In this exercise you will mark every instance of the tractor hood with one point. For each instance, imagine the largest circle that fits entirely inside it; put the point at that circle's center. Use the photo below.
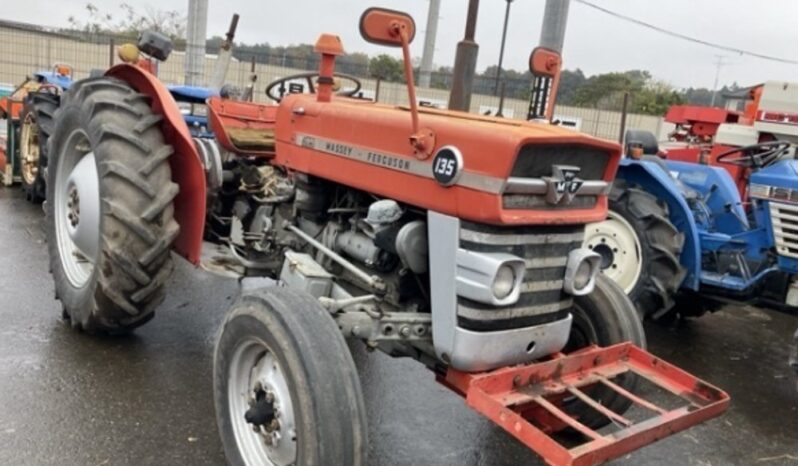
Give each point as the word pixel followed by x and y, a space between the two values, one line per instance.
pixel 783 174
pixel 482 169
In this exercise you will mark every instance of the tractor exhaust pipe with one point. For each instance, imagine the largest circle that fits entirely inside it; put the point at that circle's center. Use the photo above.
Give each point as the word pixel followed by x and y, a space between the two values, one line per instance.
pixel 465 63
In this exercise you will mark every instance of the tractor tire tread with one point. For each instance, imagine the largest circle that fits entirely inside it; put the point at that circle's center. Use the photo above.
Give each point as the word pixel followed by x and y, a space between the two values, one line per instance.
pixel 662 244
pixel 136 201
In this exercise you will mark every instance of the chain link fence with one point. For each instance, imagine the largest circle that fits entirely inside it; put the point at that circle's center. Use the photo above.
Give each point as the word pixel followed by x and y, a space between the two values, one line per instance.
pixel 27 49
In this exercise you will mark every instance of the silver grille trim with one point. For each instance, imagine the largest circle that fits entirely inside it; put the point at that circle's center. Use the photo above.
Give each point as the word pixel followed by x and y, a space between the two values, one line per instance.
pixel 517 185
pixel 519 239
pixel 785 228
pixel 515 312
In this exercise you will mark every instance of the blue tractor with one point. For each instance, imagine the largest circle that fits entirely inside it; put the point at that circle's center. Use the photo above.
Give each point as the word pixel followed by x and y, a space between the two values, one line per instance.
pixel 680 239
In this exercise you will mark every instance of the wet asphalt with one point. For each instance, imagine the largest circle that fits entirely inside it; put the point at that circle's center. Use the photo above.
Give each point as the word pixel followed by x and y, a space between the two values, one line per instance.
pixel 145 399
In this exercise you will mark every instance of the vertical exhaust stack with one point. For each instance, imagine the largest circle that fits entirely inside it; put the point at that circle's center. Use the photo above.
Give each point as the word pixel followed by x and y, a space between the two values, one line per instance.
pixel 224 57
pixel 465 63
pixel 195 42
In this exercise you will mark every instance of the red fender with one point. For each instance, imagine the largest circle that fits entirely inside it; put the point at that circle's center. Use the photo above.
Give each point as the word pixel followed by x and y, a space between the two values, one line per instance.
pixel 187 169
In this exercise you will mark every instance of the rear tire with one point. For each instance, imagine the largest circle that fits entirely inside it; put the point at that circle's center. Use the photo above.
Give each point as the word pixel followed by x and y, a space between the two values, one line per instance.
pixel 111 260
pixel 309 374
pixel 658 246
pixel 604 318
pixel 37 119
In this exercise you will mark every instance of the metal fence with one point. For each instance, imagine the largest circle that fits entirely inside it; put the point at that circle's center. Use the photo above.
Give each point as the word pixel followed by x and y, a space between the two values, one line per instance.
pixel 25 49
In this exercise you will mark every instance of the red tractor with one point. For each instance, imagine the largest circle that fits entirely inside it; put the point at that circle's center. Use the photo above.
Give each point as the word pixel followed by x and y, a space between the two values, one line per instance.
pixel 449 238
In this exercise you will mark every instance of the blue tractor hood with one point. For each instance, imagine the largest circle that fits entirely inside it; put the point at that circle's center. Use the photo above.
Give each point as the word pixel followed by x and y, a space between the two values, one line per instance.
pixel 192 94
pixel 783 174
pixel 53 78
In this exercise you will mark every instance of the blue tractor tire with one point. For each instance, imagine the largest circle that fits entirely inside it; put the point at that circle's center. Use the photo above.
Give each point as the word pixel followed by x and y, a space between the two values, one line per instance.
pixel 658 245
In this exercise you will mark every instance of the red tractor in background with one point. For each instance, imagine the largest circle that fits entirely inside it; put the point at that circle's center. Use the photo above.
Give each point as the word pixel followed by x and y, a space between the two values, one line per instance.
pixel 702 134
pixel 449 238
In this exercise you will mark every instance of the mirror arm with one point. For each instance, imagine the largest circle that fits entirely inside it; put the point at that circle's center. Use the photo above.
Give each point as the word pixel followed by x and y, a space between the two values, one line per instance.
pixel 422 140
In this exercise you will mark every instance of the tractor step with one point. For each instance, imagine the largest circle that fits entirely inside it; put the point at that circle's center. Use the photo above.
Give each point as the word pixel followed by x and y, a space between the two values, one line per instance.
pixel 528 402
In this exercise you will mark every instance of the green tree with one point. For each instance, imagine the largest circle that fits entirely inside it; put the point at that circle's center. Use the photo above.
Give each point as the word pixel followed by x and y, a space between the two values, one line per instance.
pixel 386 67
pixel 130 21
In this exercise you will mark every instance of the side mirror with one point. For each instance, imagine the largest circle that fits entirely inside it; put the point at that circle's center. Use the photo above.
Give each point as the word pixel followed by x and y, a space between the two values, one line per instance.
pixel 544 62
pixel 384 27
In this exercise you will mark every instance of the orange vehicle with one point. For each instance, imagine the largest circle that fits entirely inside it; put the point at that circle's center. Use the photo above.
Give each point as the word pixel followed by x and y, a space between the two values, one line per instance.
pixel 448 238
pixel 28 111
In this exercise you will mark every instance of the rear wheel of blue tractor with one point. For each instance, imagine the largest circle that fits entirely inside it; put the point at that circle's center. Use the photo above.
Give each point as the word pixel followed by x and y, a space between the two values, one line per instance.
pixel 640 249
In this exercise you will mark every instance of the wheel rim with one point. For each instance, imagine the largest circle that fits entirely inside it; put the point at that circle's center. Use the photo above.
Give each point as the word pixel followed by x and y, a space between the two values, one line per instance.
pixel 618 244
pixel 256 380
pixel 29 150
pixel 76 209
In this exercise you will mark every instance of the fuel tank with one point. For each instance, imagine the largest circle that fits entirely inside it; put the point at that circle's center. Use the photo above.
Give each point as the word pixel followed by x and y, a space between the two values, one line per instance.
pixel 482 169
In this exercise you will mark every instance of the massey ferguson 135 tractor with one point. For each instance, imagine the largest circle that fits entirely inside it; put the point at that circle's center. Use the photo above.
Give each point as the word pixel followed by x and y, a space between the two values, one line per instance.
pixel 449 238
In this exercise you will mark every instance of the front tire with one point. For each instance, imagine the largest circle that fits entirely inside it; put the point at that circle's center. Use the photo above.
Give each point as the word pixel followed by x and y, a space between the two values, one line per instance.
pixel 604 318
pixel 110 218
pixel 282 367
pixel 640 250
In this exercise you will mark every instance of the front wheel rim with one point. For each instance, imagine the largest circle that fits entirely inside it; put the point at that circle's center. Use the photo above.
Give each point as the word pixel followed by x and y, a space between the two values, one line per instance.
pixel 256 373
pixel 618 244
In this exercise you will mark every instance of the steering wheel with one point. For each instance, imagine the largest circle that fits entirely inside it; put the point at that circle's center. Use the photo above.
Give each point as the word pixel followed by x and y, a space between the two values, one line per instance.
pixel 279 85
pixel 756 156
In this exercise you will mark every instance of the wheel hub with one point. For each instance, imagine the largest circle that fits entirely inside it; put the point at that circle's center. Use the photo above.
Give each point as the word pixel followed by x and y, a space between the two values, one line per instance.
pixel 616 241
pixel 262 413
pixel 264 421
pixel 83 206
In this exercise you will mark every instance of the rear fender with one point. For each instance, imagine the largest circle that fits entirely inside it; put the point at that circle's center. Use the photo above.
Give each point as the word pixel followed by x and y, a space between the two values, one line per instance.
pixel 652 179
pixel 187 169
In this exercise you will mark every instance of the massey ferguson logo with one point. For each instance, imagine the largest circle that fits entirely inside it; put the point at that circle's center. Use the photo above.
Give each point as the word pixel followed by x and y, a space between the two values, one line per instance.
pixel 562 185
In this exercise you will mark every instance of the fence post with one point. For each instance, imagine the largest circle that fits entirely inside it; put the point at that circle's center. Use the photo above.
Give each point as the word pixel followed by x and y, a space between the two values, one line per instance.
pixel 624 112
pixel 111 52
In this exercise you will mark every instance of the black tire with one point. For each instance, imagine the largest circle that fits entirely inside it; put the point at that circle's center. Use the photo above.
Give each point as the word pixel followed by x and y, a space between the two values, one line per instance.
pixel 137 225
pixel 40 108
pixel 661 246
pixel 605 317
pixel 320 373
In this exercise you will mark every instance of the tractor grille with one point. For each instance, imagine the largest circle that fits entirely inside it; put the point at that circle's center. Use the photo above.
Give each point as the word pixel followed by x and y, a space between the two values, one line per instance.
pixel 542 298
pixel 785 228
pixel 536 161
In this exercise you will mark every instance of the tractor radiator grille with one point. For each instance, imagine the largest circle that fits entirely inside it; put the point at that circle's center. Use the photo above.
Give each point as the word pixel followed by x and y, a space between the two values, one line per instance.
pixel 785 228
pixel 534 162
pixel 542 299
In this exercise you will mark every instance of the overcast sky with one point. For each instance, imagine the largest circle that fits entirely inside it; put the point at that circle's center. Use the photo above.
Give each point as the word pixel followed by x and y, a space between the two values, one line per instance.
pixel 594 42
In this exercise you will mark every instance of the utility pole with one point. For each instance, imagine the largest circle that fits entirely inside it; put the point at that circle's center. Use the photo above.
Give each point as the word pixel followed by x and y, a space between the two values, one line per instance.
pixel 425 73
pixel 501 50
pixel 555 18
pixel 465 63
pixel 196 28
pixel 719 63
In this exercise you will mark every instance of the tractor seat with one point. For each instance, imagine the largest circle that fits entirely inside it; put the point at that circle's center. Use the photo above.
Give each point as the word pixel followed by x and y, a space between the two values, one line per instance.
pixel 252 139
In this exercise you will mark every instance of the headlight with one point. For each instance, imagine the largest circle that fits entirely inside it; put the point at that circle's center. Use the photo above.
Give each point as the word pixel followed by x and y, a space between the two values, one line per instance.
pixel 583 275
pixel 580 272
pixel 504 282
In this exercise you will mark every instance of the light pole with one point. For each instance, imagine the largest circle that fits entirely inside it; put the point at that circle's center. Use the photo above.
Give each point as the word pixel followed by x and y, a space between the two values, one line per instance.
pixel 501 50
